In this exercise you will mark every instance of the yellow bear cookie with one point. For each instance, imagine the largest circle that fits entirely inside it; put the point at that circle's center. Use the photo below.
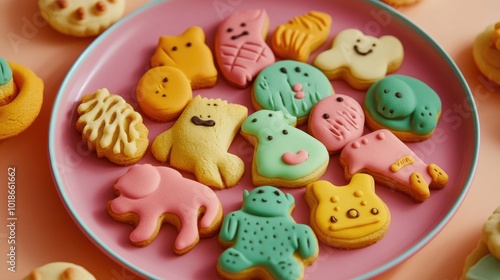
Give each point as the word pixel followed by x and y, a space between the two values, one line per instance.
pixel 347 217
pixel 112 128
pixel 190 54
pixel 60 271
pixel 302 35
pixel 163 92
pixel 199 140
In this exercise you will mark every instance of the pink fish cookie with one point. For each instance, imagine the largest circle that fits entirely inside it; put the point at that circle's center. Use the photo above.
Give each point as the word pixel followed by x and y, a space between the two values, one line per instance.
pixel 335 121
pixel 149 196
pixel 240 47
pixel 382 155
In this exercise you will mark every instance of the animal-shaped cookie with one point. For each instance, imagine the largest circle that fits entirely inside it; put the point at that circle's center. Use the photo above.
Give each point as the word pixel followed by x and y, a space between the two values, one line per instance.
pixel 291 86
pixel 199 140
pixel 360 59
pixel 486 52
pixel 60 271
pixel 265 242
pixel 150 196
pixel 240 47
pixel 190 54
pixel 81 18
pixel 347 217
pixel 163 92
pixel 302 35
pixel 335 121
pixel 284 156
pixel 484 260
pixel 112 128
pixel 392 164
pixel 406 106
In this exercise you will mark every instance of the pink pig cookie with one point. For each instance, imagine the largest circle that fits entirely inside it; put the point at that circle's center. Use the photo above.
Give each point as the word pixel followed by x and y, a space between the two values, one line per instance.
pixel 335 121
pixel 382 155
pixel 240 47
pixel 149 196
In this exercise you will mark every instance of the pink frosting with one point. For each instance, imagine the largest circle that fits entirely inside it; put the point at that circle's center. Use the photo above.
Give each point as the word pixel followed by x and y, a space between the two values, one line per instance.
pixel 294 159
pixel 152 191
pixel 336 120
pixel 241 50
pixel 384 150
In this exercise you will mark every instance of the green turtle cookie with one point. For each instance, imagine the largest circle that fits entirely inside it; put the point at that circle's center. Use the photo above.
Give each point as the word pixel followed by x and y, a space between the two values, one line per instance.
pixel 264 241
pixel 406 106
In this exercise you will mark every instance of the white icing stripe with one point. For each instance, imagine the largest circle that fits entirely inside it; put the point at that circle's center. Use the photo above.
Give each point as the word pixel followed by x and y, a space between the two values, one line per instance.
pixel 118 119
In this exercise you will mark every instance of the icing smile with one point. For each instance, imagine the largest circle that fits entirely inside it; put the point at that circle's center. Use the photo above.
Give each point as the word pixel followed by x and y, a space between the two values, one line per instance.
pixel 244 33
pixel 197 121
pixel 356 49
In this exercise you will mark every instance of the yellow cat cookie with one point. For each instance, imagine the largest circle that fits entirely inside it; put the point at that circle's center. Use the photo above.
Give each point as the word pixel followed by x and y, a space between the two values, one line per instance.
pixel 302 35
pixel 112 128
pixel 163 92
pixel 199 140
pixel 190 54
pixel 347 217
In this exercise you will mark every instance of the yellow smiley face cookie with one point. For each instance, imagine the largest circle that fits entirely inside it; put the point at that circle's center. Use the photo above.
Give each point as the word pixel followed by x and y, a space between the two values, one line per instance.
pixel 163 92
pixel 347 217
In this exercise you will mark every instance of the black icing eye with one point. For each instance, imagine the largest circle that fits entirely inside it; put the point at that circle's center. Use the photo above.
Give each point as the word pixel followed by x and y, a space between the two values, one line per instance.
pixel 306 74
pixel 189 44
pixel 386 90
pixel 270 115
pixel 260 191
pixel 277 193
pixel 399 95
pixel 165 79
pixel 340 99
pixel 283 70
pixel 374 45
pixel 374 211
pixel 243 24
pixel 358 40
pixel 159 92
pixel 326 116
pixel 164 95
pixel 174 48
pixel 297 69
pixel 254 120
pixel 269 138
pixel 333 219
pixel 352 213
pixel 229 30
pixel 285 131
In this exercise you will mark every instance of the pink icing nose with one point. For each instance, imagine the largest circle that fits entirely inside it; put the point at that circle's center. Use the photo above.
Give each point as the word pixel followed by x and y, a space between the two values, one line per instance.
pixel 297 88
pixel 294 159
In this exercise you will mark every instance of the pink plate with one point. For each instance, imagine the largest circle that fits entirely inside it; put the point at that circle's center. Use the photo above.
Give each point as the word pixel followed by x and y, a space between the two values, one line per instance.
pixel 119 57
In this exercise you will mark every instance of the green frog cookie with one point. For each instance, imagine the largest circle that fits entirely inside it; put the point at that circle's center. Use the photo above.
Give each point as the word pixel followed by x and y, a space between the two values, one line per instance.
pixel 265 241
pixel 406 106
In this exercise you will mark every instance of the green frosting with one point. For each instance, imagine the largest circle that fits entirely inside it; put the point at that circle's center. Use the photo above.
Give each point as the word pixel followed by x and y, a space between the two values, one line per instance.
pixel 264 234
pixel 403 103
pixel 5 72
pixel 487 268
pixel 276 136
pixel 274 87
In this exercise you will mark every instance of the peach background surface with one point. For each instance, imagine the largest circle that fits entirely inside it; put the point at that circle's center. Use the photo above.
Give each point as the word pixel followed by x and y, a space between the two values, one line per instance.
pixel 45 232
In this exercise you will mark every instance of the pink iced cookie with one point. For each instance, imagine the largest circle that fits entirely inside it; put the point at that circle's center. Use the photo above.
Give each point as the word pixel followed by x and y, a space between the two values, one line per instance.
pixel 240 47
pixel 382 155
pixel 149 196
pixel 335 121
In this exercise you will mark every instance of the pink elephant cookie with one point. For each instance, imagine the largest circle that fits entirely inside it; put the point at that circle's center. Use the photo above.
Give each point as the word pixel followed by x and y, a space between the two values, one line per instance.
pixel 240 47
pixel 335 121
pixel 392 164
pixel 149 196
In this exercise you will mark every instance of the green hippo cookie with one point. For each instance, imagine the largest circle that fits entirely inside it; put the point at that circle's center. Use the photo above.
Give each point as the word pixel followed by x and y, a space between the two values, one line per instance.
pixel 291 86
pixel 406 106
pixel 284 156
pixel 265 242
